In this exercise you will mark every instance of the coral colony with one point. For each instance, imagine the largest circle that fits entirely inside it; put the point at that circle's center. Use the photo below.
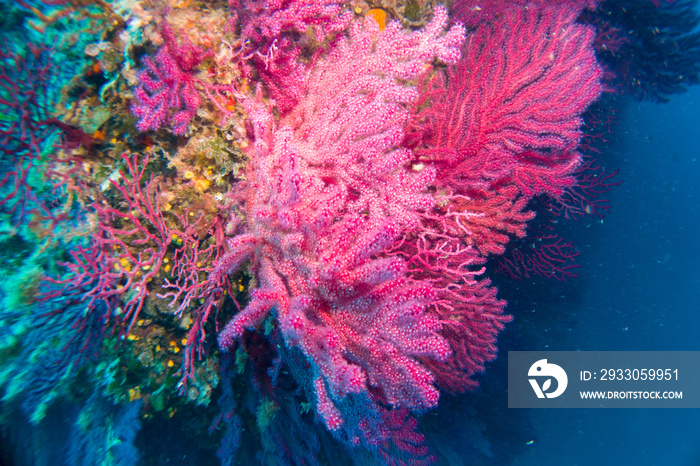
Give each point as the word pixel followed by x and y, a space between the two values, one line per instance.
pixel 287 207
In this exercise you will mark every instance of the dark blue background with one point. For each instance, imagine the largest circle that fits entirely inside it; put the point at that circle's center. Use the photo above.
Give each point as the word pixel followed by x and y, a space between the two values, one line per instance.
pixel 638 289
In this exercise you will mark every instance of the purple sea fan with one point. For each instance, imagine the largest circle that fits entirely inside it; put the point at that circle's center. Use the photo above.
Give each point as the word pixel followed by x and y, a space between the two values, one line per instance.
pixel 275 33
pixel 166 91
pixel 268 19
pixel 329 188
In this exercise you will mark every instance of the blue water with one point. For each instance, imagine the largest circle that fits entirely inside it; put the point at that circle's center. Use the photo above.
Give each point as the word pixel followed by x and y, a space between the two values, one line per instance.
pixel 639 289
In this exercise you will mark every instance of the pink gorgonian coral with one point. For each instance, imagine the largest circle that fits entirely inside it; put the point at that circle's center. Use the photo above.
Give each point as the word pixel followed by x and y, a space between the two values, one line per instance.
pixel 329 189
pixel 502 126
pixel 167 92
